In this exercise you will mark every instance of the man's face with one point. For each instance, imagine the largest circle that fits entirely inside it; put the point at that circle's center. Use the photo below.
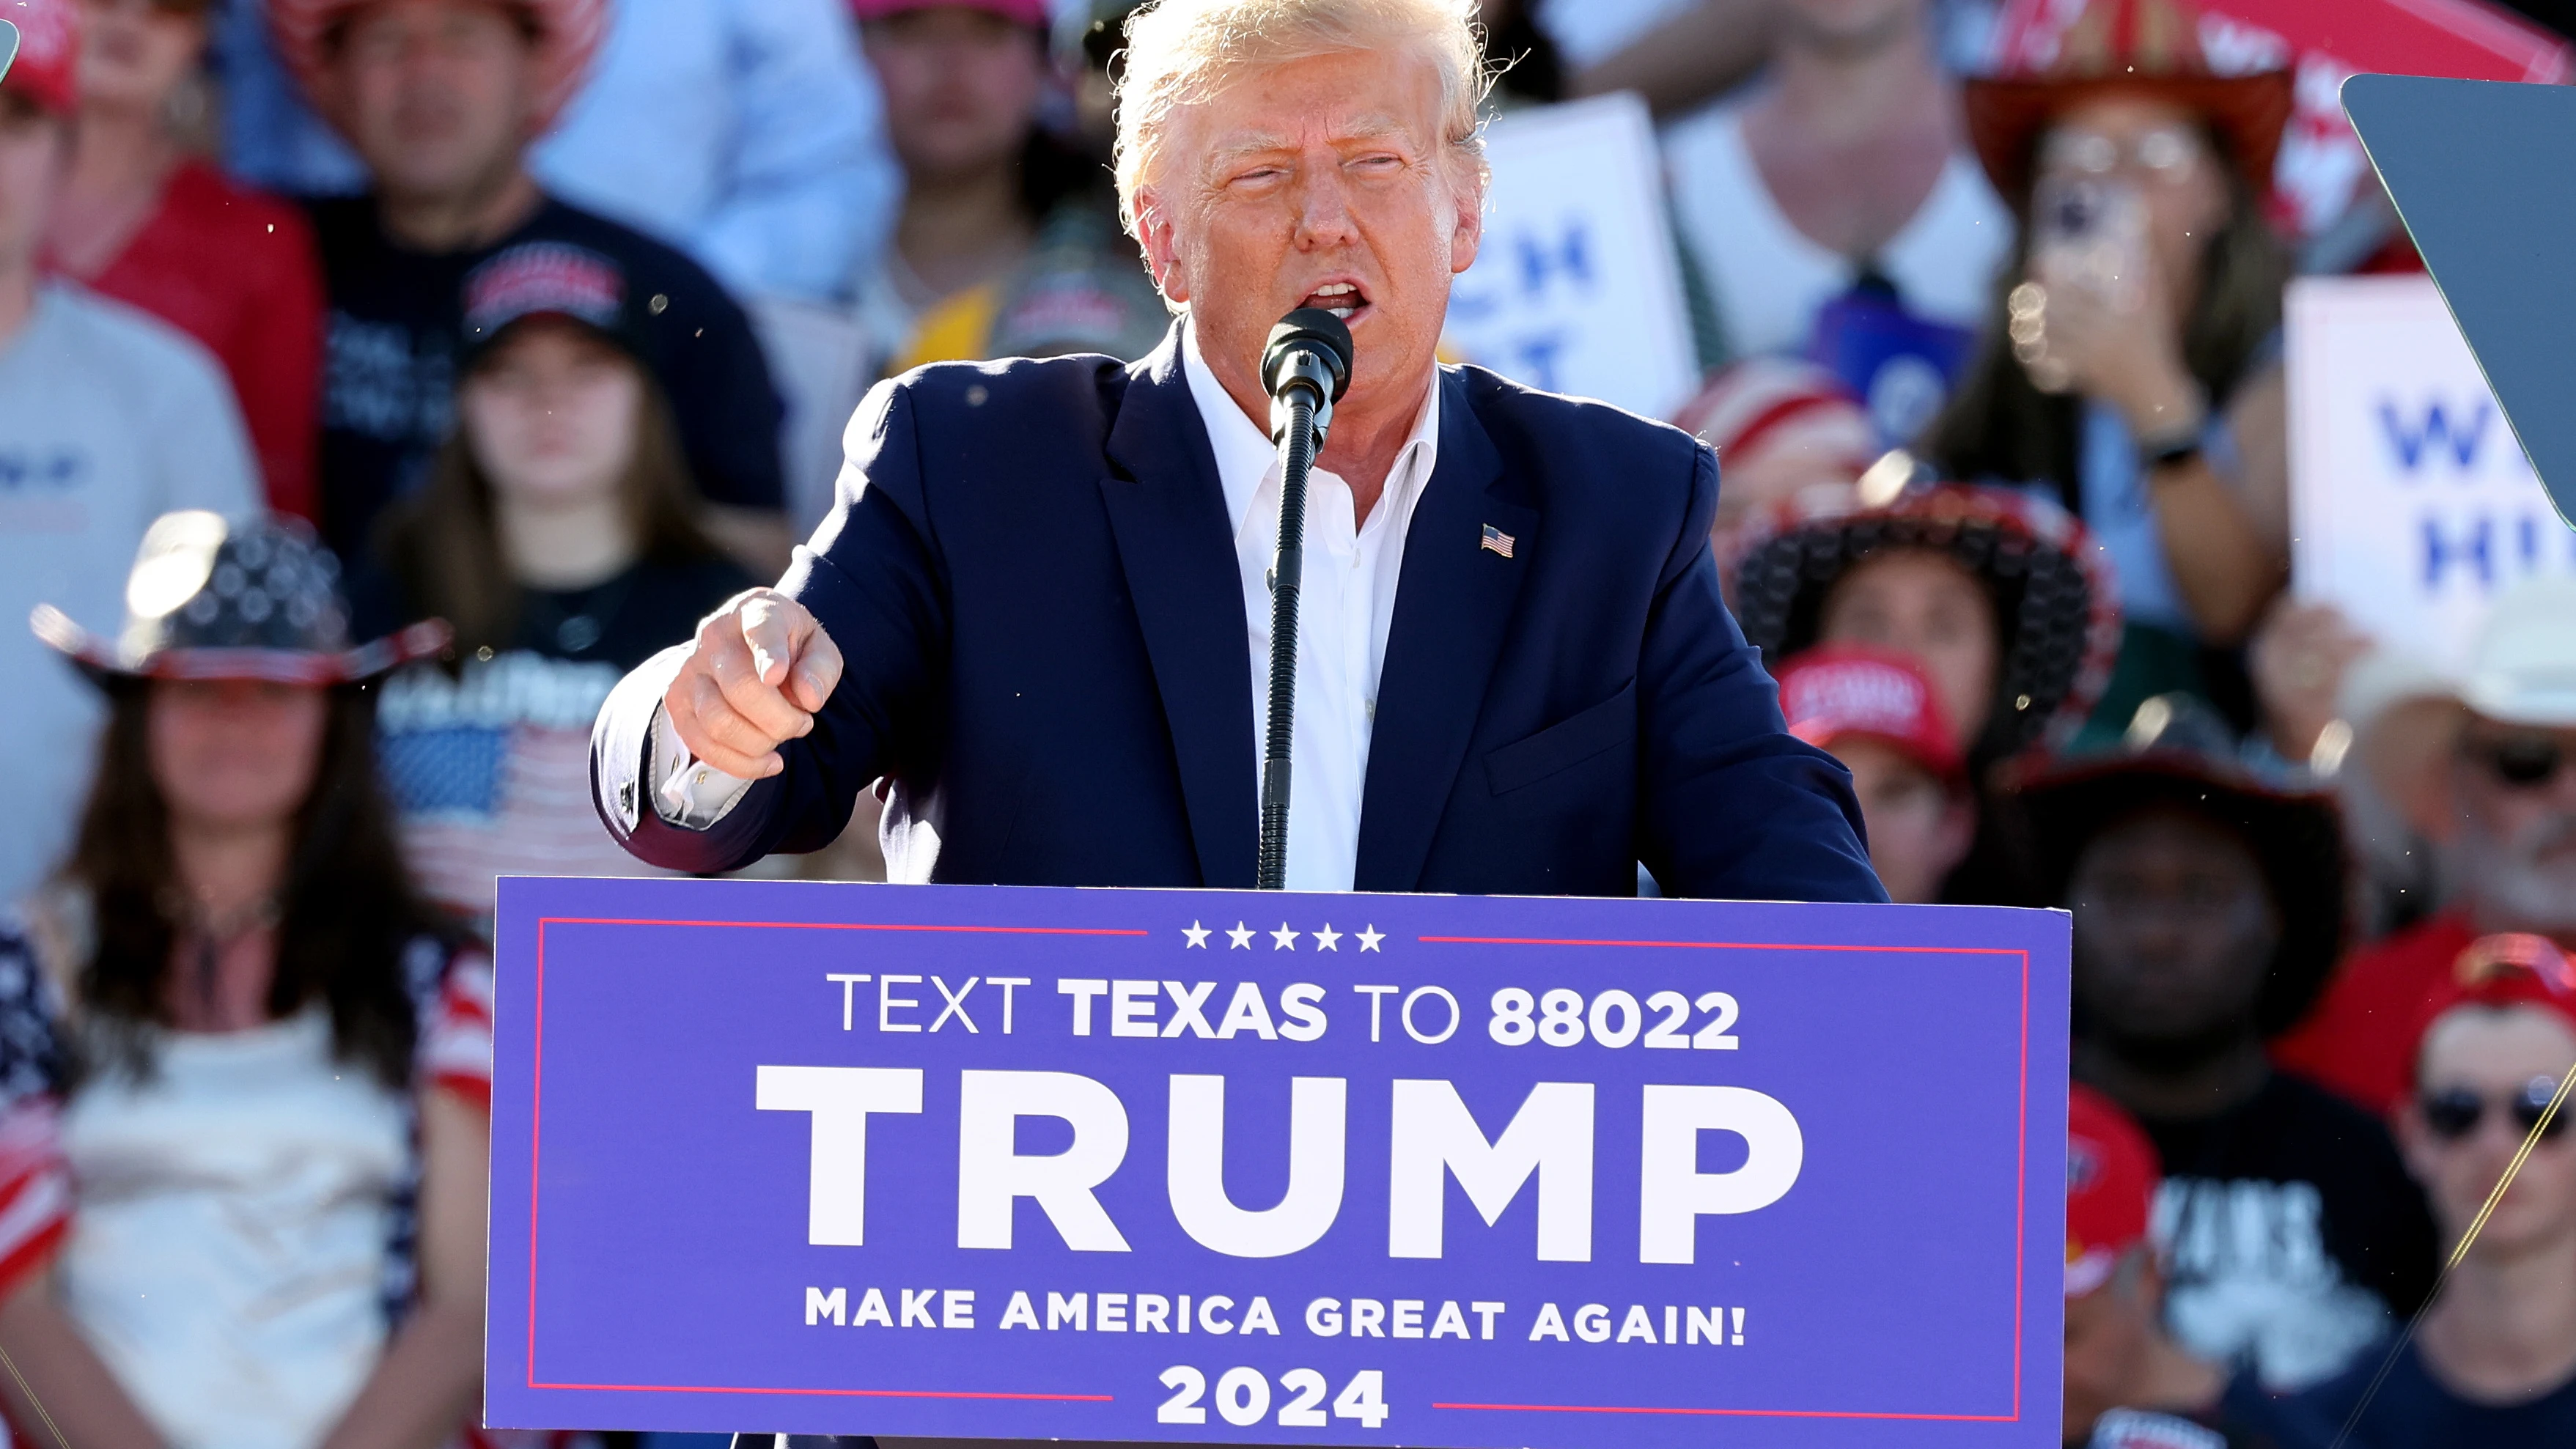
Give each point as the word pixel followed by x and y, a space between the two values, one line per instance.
pixel 2516 793
pixel 1323 182
pixel 1918 827
pixel 961 88
pixel 2174 930
pixel 31 164
pixel 434 94
pixel 2493 1057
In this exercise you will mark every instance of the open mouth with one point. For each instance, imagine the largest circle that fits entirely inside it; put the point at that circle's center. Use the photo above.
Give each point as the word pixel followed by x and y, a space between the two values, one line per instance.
pixel 1343 299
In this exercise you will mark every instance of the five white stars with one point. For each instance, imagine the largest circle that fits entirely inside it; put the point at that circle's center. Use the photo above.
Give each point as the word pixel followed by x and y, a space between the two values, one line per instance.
pixel 1283 939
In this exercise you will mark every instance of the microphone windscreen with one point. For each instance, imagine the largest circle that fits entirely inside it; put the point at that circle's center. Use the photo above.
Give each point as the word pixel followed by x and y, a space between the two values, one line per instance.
pixel 1310 328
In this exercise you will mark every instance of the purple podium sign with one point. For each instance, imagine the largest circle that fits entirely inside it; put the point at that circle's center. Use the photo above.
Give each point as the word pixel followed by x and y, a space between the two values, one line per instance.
pixel 1300 1169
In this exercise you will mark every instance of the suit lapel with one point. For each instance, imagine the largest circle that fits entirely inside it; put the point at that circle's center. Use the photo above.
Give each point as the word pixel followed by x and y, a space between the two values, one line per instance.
pixel 1453 604
pixel 1167 511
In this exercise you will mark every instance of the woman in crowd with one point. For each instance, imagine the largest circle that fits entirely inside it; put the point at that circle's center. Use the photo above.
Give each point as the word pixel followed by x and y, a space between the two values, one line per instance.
pixel 2132 363
pixel 143 219
pixel 244 1078
pixel 557 534
pixel 1008 244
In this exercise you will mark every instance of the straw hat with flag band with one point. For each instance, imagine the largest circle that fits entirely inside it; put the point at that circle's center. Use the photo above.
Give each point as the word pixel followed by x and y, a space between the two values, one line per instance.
pixel 46 70
pixel 213 599
pixel 2051 55
pixel 2052 589
pixel 567 34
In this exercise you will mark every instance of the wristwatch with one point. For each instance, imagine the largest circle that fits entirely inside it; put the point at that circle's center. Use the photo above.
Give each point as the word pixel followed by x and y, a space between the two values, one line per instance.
pixel 2169 449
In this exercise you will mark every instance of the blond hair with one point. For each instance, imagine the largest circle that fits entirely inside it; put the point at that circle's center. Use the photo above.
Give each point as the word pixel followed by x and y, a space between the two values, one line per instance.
pixel 1182 51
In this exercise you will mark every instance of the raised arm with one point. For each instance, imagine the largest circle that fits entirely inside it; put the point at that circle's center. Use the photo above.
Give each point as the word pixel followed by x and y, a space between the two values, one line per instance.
pixel 757 734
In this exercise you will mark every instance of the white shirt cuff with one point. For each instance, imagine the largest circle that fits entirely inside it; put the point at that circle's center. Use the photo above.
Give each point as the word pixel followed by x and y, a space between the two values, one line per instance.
pixel 690 795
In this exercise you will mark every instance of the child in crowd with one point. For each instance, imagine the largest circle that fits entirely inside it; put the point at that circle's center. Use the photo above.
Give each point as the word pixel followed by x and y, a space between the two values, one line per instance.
pixel 244 1077
pixel 558 531
pixel 1878 712
pixel 142 219
pixel 2001 598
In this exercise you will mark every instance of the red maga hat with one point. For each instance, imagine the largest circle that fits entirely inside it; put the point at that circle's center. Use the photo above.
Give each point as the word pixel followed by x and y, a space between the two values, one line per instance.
pixel 1838 692
pixel 2111 1177
pixel 1018 12
pixel 46 71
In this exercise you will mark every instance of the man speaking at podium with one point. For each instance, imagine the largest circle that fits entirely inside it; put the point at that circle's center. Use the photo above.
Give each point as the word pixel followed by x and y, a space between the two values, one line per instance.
pixel 1040 606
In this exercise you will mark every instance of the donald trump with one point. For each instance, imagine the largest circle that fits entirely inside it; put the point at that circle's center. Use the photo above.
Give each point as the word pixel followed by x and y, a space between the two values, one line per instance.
pixel 1040 606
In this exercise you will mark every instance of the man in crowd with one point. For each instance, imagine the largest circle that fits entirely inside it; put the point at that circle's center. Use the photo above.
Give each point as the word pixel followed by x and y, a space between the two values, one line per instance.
pixel 2207 907
pixel 1041 602
pixel 2493 1364
pixel 108 419
pixel 2505 814
pixel 1879 713
pixel 745 132
pixel 441 98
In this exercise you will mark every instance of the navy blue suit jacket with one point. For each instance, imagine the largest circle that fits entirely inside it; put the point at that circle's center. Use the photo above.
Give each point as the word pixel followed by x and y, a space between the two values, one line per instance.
pixel 1032 576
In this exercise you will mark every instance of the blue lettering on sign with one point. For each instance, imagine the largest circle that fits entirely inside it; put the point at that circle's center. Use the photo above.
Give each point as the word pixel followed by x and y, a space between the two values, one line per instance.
pixel 2444 550
pixel 2438 428
pixel 1572 255
pixel 58 470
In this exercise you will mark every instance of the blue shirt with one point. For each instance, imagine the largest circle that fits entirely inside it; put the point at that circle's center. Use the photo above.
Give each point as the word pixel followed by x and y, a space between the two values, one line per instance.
pixel 2414 1410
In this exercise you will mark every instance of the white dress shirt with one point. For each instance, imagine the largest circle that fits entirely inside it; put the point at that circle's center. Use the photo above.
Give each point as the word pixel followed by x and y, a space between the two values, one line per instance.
pixel 1345 601
pixel 1345 604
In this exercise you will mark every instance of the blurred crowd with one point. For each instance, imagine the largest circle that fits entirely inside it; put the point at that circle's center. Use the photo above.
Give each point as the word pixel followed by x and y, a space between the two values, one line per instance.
pixel 381 379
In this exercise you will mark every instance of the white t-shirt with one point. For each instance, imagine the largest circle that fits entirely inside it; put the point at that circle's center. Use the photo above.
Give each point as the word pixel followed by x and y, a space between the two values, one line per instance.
pixel 108 419
pixel 1770 278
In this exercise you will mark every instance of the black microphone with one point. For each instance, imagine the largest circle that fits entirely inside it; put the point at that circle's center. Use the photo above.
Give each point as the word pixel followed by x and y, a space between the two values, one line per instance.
pixel 1307 368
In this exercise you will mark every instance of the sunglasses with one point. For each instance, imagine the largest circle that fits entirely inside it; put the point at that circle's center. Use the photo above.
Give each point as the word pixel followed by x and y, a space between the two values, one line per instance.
pixel 2454 1113
pixel 2521 761
pixel 2167 153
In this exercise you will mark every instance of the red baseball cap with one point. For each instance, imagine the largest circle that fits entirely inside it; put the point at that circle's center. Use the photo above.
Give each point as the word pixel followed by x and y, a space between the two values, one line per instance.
pixel 2511 968
pixel 1836 692
pixel 2111 1175
pixel 1019 12
pixel 46 71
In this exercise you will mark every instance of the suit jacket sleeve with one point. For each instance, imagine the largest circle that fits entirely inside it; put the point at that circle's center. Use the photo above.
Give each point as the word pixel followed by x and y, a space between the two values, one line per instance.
pixel 873 578
pixel 1734 806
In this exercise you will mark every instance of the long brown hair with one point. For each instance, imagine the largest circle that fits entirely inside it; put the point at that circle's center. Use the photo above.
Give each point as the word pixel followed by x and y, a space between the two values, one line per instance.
pixel 443 544
pixel 1999 426
pixel 347 912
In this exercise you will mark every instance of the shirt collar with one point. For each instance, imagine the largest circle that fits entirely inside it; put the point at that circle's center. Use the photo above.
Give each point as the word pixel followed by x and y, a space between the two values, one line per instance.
pixel 1245 457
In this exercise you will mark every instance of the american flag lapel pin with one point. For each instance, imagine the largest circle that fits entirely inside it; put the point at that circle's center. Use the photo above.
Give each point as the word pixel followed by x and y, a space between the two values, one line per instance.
pixel 1496 541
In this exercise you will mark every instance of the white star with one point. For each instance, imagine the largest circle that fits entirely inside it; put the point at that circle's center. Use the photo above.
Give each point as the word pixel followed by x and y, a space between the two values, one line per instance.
pixel 1241 936
pixel 1197 933
pixel 1370 935
pixel 1325 938
pixel 1284 939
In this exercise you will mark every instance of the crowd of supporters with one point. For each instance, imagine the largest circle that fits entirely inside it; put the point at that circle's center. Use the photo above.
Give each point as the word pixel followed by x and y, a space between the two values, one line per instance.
pixel 381 379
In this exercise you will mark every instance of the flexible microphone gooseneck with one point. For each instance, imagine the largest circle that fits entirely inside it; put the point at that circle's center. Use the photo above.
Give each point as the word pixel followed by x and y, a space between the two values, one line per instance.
pixel 1307 368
